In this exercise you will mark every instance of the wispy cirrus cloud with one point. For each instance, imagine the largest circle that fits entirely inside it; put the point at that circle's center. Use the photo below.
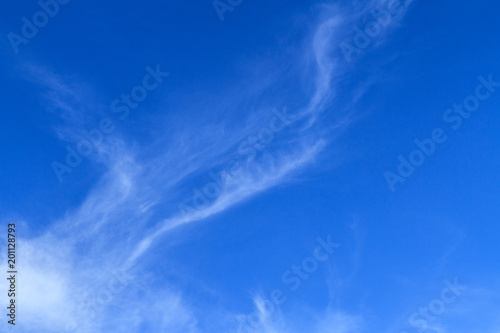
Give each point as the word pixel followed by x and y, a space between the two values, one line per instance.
pixel 142 187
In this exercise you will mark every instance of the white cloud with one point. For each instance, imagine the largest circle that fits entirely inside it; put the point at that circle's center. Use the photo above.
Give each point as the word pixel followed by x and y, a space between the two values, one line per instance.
pixel 67 271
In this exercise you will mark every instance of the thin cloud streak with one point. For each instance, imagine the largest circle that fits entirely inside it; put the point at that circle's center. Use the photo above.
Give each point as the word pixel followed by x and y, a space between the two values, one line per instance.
pixel 111 221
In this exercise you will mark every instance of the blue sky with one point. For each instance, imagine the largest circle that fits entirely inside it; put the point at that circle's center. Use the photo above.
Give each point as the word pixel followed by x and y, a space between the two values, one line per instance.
pixel 252 167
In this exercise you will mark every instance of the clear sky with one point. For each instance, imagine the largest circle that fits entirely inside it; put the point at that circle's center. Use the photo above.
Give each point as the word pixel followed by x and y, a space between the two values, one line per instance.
pixel 251 166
